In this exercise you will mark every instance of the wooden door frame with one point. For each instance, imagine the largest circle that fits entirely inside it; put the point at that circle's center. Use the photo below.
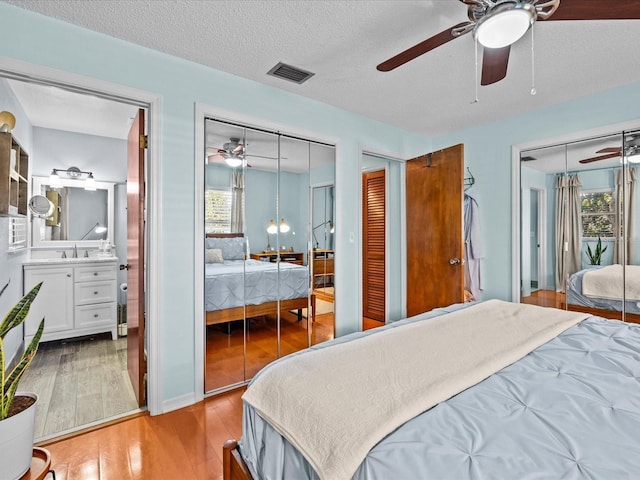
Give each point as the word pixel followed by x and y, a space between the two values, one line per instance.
pixel 202 112
pixel 34 73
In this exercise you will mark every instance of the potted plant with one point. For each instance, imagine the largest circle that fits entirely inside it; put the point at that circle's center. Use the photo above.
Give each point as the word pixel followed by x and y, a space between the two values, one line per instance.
pixel 595 257
pixel 17 409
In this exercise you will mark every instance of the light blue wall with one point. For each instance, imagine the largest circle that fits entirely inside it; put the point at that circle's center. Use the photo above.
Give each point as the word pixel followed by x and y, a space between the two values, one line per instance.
pixel 488 154
pixel 49 42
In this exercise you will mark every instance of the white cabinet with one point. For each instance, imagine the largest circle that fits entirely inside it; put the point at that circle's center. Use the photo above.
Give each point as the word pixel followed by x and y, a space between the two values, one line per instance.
pixel 75 299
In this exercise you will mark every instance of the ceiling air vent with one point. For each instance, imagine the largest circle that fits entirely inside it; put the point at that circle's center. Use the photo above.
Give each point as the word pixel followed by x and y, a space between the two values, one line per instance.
pixel 292 74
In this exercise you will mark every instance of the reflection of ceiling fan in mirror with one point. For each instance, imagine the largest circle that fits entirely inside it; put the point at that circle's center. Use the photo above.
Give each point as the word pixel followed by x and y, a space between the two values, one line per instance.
pixel 631 153
pixel 231 152
pixel 497 24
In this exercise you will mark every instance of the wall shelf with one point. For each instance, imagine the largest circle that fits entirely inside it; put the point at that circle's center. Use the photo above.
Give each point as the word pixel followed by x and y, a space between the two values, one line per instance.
pixel 14 174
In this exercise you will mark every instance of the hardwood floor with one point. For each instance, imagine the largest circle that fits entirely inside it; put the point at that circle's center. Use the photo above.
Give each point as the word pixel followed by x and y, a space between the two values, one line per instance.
pixel 79 382
pixel 225 358
pixel 184 444
pixel 546 298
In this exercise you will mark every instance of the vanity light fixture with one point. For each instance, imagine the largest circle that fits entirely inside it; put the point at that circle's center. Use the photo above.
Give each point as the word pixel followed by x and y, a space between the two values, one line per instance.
pixel 73 173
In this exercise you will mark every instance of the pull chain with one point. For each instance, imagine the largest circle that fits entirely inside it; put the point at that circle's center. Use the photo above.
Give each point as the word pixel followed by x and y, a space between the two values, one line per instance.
pixel 476 76
pixel 533 68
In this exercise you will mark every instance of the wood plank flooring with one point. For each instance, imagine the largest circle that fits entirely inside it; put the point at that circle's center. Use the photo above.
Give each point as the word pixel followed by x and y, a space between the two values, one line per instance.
pixel 184 444
pixel 225 351
pixel 79 382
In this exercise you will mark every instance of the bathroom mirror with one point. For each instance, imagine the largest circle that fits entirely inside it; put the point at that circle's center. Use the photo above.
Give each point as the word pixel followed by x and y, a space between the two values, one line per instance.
pixel 80 217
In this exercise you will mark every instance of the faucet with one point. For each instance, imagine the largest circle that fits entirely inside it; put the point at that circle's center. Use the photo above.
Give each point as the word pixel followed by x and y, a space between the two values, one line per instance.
pixel 75 251
pixel 64 254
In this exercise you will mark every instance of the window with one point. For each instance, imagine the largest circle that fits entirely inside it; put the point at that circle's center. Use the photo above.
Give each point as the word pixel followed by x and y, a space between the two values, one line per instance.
pixel 217 214
pixel 598 213
pixel 17 233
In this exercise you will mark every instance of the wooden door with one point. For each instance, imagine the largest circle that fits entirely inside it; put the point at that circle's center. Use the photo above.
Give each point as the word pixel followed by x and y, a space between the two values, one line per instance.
pixel 373 257
pixel 136 358
pixel 435 273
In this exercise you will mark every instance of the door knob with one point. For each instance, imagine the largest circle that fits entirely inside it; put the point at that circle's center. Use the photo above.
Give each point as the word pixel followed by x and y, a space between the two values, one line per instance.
pixel 124 267
pixel 454 261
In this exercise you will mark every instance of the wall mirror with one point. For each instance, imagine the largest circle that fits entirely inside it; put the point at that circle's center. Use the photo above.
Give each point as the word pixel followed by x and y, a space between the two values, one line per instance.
pixel 80 217
pixel 260 303
pixel 578 225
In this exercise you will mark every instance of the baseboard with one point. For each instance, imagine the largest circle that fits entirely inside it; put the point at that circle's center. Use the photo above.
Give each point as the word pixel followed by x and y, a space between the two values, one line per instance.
pixel 178 402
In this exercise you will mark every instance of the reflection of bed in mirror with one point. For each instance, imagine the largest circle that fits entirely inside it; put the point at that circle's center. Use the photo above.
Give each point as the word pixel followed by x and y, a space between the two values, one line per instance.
pixel 599 289
pixel 236 288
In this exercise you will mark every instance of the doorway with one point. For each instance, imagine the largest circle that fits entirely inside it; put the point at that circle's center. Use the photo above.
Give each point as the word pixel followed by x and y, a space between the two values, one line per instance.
pixel 81 380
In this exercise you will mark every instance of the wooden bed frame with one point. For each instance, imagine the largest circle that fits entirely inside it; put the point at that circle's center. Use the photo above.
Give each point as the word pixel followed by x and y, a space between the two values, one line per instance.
pixel 269 308
pixel 611 314
pixel 233 466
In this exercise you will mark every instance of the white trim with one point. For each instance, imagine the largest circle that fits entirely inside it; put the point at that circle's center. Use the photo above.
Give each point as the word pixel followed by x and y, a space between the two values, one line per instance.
pixel 203 111
pixel 153 197
pixel 542 238
pixel 403 228
pixel 178 402
pixel 516 192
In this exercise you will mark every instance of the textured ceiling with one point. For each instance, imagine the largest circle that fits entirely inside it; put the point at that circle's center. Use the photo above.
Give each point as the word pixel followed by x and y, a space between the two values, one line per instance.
pixel 343 41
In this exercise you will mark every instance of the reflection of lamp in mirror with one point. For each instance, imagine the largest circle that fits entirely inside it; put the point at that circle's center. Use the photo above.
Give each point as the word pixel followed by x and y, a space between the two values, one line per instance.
pixel 332 229
pixel 272 228
pixel 284 227
pixel 97 228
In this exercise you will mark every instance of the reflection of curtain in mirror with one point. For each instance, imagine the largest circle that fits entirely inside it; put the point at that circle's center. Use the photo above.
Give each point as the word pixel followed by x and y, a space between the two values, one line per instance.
pixel 568 225
pixel 237 202
pixel 625 214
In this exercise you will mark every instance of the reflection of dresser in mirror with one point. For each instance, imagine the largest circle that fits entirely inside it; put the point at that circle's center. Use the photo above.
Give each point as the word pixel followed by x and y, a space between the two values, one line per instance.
pixel 323 274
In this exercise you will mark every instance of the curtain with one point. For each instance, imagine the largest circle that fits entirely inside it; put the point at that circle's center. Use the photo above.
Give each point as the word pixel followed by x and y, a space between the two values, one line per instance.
pixel 624 227
pixel 568 227
pixel 237 202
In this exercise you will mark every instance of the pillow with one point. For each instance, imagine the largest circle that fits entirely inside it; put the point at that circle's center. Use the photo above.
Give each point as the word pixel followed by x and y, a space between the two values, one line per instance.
pixel 213 255
pixel 232 248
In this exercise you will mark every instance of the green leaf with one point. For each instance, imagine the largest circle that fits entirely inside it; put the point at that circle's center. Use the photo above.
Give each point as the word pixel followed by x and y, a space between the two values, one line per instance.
pixel 19 312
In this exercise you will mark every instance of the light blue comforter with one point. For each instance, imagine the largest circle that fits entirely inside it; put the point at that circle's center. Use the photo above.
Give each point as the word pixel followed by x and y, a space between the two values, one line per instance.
pixel 568 410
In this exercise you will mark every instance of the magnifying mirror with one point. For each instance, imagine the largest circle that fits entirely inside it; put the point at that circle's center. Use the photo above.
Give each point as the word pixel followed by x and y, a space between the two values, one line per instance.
pixel 41 206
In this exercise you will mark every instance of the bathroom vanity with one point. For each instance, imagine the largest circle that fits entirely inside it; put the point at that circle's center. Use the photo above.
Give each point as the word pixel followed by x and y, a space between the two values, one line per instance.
pixel 78 297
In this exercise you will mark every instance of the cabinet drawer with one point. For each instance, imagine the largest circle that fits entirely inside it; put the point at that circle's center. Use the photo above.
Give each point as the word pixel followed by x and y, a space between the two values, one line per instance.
pixel 95 292
pixel 95 315
pixel 93 273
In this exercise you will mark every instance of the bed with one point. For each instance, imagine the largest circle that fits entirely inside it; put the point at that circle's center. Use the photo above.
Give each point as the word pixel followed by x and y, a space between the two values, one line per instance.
pixel 236 288
pixel 598 290
pixel 566 403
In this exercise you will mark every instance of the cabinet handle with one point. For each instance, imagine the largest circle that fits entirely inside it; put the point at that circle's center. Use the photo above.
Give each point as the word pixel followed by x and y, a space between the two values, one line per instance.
pixel 69 275
pixel 95 315
pixel 95 293
pixel 95 274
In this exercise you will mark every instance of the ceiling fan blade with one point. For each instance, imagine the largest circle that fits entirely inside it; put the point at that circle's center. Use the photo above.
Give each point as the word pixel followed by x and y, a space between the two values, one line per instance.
pixel 420 49
pixel 610 150
pixel 214 158
pixel 238 149
pixel 494 64
pixel 601 10
pixel 601 157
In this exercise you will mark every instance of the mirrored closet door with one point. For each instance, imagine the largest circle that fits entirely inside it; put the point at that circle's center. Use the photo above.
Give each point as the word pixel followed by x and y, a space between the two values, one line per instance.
pixel 579 238
pixel 260 302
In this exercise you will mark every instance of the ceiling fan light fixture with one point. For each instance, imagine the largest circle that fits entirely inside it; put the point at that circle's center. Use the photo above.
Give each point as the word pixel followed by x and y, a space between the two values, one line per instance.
pixel 505 24
pixel 233 161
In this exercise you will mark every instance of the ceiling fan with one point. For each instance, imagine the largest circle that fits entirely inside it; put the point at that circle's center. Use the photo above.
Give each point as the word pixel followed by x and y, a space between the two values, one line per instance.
pixel 497 24
pixel 631 154
pixel 231 152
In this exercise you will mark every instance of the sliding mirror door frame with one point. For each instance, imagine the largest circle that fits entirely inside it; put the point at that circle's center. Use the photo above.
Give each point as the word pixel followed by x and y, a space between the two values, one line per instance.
pixel 593 159
pixel 297 243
